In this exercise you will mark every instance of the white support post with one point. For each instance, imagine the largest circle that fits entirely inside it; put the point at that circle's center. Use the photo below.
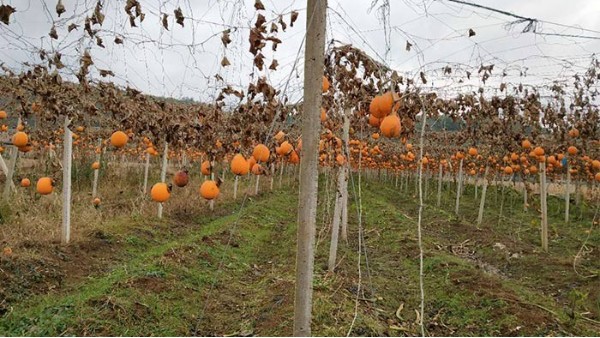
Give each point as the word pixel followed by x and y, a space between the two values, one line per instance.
pixel 459 188
pixel 483 193
pixel 544 206
pixel 146 167
pixel 96 172
pixel 163 174
pixel 66 191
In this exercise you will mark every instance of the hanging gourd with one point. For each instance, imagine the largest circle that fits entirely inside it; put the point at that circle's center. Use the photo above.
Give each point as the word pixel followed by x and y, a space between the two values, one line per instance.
pixel 119 139
pixel 160 192
pixel 181 178
pixel 261 153
pixel 20 139
pixel 206 168
pixel 44 186
pixel 209 190
pixel 239 165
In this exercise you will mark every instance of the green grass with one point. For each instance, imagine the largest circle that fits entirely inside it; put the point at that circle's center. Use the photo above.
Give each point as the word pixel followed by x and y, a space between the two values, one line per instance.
pixel 233 273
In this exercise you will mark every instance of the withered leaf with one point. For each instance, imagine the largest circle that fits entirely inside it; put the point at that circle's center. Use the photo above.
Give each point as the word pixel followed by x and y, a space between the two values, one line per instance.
pixel 469 75
pixel 225 62
pixel 118 40
pixel 260 20
pixel 53 33
pixel 72 27
pixel 99 41
pixel 98 17
pixel 293 18
pixel 282 23
pixel 471 32
pixel 259 61
pixel 225 38
pixel 165 22
pixel 179 16
pixel 105 73
pixel 60 8
pixel 274 27
pixel 423 79
pixel 258 5
pixel 274 65
pixel 218 77
pixel 408 46
pixel 5 12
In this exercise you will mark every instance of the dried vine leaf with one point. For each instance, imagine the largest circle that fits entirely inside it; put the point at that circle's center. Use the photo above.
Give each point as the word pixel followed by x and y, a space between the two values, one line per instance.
pixel 471 32
pixel 179 16
pixel 274 65
pixel 293 18
pixel 225 38
pixel 105 73
pixel 423 79
pixel 118 40
pixel 53 33
pixel 282 23
pixel 60 8
pixel 5 12
pixel 99 42
pixel 165 22
pixel 408 46
pixel 98 17
pixel 258 5
pixel 71 27
pixel 225 62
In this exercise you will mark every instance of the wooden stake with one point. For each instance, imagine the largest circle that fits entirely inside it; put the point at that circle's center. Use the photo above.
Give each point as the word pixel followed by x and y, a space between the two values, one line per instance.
pixel 337 214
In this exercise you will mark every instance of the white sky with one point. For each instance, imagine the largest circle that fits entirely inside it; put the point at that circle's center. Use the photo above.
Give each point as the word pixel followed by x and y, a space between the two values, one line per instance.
pixel 182 62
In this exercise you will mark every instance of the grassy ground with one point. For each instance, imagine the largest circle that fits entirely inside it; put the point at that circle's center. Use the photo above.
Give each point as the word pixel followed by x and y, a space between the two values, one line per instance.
pixel 231 272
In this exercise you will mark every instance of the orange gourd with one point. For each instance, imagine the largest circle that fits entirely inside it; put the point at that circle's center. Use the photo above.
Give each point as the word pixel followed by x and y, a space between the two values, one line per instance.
pixel 239 165
pixel 294 158
pixel 3 114
pixel 285 149
pixel 374 121
pixel 119 139
pixel 96 165
pixel 508 170
pixel 574 132
pixel 209 190
pixel 181 178
pixel 538 151
pixel 96 202
pixel 206 168
pixel 25 183
pixel 257 169
pixel 44 186
pixel 526 144
pixel 325 84
pixel 251 162
pixel 323 115
pixel 160 192
pixel 572 150
pixel 473 151
pixel 20 139
pixel 390 126
pixel 261 153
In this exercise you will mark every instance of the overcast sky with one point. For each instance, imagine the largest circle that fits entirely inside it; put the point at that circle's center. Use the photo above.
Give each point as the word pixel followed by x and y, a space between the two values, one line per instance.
pixel 182 61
